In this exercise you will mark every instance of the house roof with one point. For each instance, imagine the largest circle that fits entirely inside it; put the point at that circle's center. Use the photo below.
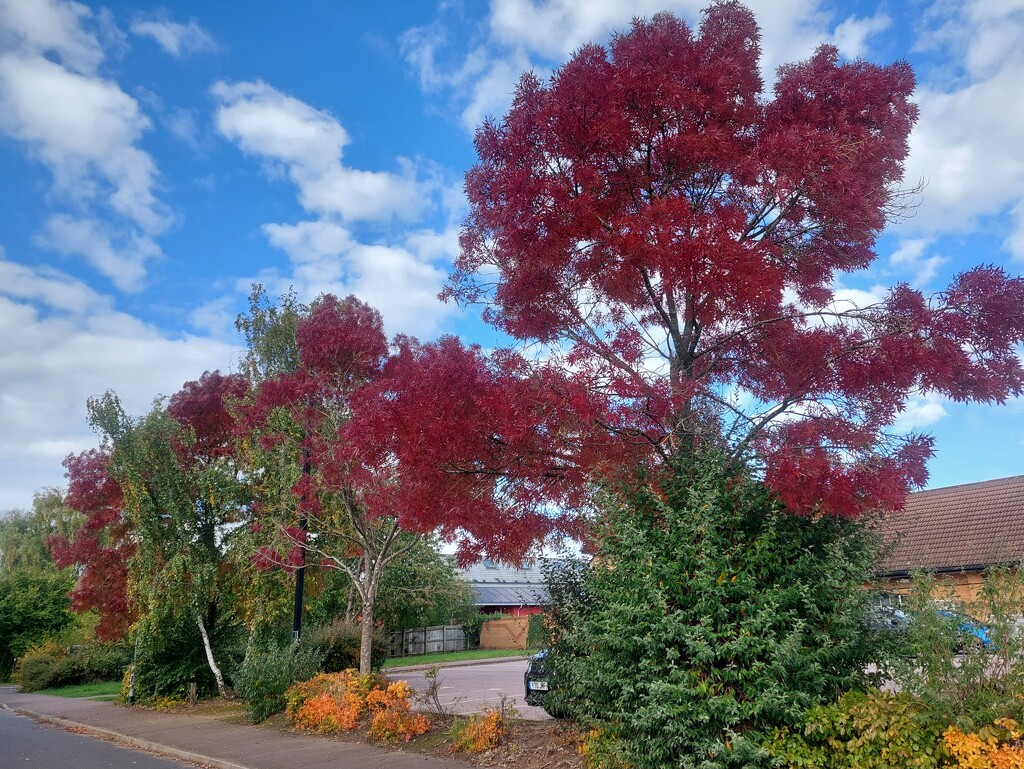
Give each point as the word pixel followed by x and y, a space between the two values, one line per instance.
pixel 497 584
pixel 957 527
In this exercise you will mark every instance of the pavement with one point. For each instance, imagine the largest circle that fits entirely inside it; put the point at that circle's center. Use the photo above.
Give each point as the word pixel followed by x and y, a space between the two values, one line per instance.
pixel 209 741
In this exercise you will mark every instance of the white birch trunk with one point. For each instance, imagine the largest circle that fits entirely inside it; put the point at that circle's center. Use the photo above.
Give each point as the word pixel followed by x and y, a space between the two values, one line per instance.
pixel 209 658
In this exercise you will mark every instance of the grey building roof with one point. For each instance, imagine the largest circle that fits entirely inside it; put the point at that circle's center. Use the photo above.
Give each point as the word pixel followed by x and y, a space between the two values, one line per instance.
pixel 498 584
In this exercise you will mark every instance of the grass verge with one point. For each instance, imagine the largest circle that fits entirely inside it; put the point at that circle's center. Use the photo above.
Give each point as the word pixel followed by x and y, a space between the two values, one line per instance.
pixel 107 690
pixel 466 656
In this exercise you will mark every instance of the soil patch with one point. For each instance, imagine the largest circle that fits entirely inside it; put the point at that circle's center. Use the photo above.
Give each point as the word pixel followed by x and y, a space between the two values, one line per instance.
pixel 531 745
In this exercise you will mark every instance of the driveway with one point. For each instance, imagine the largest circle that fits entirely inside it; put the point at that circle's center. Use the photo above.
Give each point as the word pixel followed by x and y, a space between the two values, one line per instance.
pixel 472 688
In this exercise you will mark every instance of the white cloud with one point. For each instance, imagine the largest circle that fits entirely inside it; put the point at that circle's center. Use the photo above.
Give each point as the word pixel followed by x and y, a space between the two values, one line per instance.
pixel 123 263
pixel 920 412
pixel 967 142
pixel 402 281
pixel 910 257
pixel 64 342
pixel 182 125
pixel 851 36
pixel 174 38
pixel 84 129
pixel 308 144
pixel 50 27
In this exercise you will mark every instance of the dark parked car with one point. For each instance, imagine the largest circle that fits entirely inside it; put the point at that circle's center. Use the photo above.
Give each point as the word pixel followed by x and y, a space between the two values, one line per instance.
pixel 537 679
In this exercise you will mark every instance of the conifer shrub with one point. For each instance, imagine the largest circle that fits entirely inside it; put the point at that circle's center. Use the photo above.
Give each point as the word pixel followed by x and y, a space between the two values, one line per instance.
pixel 268 671
pixel 708 617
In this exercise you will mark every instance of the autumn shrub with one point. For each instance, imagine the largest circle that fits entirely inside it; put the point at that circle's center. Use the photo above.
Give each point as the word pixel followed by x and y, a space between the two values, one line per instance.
pixel 335 702
pixel 708 617
pixel 996 746
pixel 873 730
pixel 268 671
pixel 392 717
pixel 485 731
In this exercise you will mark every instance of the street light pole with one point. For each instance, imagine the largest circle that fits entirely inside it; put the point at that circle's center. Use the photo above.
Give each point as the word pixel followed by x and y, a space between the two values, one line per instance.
pixel 300 573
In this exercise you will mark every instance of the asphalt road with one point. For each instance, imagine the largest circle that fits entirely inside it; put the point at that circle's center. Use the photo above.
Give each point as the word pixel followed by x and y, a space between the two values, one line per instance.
pixel 471 688
pixel 29 745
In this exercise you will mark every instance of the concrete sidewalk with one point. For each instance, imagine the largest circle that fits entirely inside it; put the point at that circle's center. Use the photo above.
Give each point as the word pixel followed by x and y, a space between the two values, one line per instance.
pixel 209 741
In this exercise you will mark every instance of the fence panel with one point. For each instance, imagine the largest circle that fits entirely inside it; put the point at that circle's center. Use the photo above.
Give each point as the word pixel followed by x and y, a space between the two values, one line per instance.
pixel 427 640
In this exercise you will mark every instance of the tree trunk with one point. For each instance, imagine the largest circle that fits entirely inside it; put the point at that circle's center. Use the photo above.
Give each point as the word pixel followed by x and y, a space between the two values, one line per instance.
pixel 366 639
pixel 209 658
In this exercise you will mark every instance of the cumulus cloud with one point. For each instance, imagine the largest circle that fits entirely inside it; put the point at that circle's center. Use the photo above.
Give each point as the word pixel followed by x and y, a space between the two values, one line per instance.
pixel 919 412
pixel 521 35
pixel 967 142
pixel 83 128
pixel 174 38
pixel 911 258
pixel 64 342
pixel 402 281
pixel 851 36
pixel 308 143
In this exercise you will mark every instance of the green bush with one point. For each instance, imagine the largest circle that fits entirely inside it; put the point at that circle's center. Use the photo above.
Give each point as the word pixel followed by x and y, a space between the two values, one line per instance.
pixel 171 657
pixel 51 665
pixel 339 642
pixel 34 606
pixel 537 636
pixel 960 681
pixel 268 672
pixel 862 731
pixel 708 617
pixel 36 668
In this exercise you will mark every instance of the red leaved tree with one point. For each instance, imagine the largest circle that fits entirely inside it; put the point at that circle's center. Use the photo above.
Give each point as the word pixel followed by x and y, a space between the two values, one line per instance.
pixel 674 235
pixel 101 548
pixel 399 442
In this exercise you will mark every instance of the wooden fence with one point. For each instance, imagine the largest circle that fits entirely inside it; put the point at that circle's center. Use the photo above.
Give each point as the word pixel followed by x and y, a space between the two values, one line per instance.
pixel 427 640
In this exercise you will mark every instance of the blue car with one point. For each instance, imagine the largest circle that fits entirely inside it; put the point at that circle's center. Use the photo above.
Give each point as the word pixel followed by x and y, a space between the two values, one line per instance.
pixel 970 629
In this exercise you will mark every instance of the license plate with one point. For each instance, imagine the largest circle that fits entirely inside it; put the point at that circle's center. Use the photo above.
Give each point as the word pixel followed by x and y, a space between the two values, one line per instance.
pixel 538 686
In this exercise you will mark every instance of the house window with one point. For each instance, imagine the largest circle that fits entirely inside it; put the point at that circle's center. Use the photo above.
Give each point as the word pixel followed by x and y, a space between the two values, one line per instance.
pixel 489 564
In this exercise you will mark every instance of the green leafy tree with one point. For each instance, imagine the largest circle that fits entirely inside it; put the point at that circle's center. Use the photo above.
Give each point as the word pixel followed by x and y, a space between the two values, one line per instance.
pixel 180 489
pixel 34 606
pixel 24 535
pixel 34 602
pixel 423 589
pixel 708 616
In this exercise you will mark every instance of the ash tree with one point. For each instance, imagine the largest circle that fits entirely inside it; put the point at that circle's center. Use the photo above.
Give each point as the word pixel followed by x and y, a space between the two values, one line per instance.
pixel 101 547
pixel 667 237
pixel 674 234
pixel 380 445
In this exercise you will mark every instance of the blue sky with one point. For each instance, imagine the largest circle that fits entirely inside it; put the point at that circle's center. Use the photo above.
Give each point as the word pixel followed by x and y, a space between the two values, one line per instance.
pixel 155 160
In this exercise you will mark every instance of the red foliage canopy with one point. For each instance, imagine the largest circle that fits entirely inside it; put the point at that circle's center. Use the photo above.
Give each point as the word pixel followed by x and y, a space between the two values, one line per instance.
pixel 430 434
pixel 204 407
pixel 675 236
pixel 101 546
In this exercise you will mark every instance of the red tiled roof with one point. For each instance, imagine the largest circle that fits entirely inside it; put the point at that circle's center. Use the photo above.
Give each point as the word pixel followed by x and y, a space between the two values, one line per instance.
pixel 958 527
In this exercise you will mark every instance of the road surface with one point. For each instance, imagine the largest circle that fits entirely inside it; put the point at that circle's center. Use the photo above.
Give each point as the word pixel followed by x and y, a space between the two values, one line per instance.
pixel 471 688
pixel 26 744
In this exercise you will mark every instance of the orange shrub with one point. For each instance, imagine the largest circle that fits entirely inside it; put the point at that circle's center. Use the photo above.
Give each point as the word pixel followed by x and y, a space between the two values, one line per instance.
pixel 992 747
pixel 334 702
pixel 393 718
pixel 480 733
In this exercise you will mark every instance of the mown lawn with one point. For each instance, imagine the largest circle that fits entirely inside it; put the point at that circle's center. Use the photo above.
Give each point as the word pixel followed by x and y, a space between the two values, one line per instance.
pixel 466 656
pixel 107 690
